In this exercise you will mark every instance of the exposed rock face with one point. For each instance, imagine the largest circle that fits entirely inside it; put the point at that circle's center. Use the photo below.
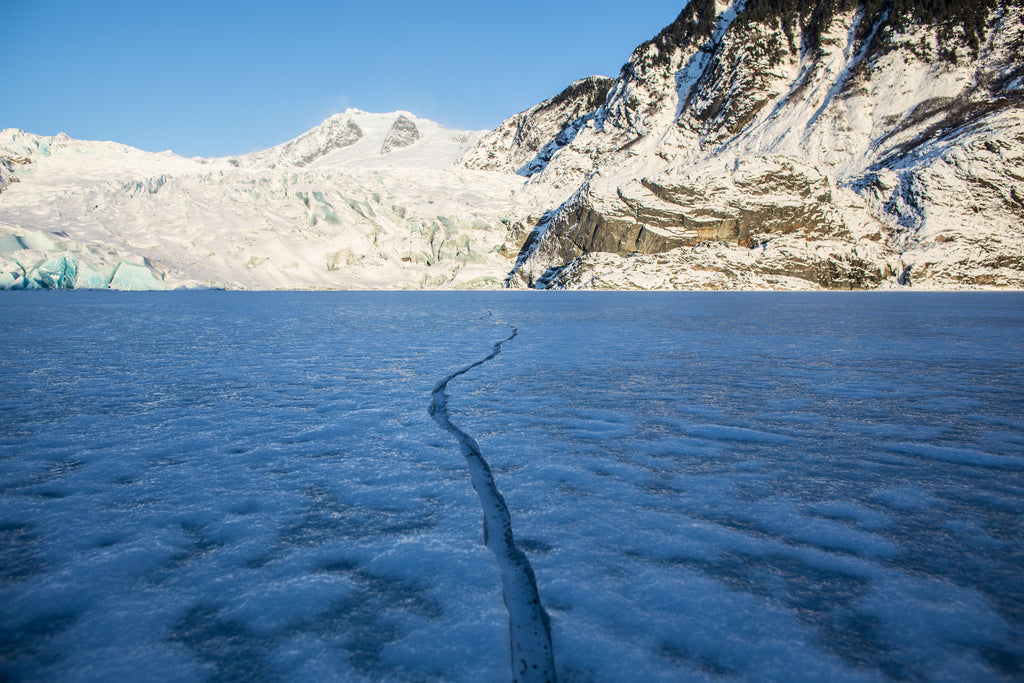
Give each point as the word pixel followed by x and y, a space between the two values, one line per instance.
pixel 842 147
pixel 8 165
pixel 403 133
pixel 337 132
pixel 6 173
pixel 525 143
pixel 773 216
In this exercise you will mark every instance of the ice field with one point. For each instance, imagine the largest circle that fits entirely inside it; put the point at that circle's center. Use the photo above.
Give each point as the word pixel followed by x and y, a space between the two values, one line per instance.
pixel 752 486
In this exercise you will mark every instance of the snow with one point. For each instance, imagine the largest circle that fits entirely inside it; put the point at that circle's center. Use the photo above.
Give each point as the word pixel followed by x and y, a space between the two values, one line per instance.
pixel 734 162
pixel 738 486
pixel 920 154
pixel 318 212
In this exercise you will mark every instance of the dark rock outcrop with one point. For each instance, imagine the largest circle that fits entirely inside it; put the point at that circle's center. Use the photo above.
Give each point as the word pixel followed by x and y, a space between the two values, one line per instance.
pixel 403 133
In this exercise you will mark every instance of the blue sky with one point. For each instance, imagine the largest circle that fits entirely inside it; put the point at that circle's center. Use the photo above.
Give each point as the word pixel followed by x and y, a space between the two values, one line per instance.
pixel 215 78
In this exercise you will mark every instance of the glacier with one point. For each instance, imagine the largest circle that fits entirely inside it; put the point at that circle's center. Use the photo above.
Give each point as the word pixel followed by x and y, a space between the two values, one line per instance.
pixel 363 201
pixel 740 486
pixel 775 146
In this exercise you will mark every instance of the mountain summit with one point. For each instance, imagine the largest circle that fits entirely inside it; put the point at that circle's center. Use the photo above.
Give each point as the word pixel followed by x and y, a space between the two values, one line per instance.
pixel 785 144
pixel 765 144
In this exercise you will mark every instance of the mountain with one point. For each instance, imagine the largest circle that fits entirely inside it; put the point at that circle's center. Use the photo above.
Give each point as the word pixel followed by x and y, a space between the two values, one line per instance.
pixel 361 201
pixel 784 144
pixel 525 143
pixel 757 144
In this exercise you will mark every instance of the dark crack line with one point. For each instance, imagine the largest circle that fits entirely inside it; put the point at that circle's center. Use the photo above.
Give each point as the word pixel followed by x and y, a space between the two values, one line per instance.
pixel 532 657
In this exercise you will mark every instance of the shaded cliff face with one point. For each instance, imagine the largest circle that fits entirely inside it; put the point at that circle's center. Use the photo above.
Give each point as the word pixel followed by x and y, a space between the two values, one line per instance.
pixel 403 133
pixel 811 145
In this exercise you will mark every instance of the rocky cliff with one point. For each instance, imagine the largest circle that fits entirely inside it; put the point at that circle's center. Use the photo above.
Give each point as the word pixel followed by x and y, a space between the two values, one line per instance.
pixel 774 144
pixel 337 132
pixel 525 143
pixel 403 133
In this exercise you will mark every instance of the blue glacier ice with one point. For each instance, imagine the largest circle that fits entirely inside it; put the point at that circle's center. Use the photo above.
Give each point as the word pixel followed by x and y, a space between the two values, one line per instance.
pixel 135 277
pixel 35 261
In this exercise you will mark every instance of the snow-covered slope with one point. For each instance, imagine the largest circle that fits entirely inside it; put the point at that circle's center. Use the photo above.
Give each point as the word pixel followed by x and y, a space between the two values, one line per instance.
pixel 526 142
pixel 361 201
pixel 787 146
pixel 750 144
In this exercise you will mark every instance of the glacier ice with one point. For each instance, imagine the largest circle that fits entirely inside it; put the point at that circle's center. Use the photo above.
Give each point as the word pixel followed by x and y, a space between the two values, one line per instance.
pixel 737 485
pixel 328 210
pixel 135 276
pixel 34 260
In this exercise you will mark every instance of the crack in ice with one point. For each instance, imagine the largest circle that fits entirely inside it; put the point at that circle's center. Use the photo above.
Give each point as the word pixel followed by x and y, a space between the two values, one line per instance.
pixel 532 657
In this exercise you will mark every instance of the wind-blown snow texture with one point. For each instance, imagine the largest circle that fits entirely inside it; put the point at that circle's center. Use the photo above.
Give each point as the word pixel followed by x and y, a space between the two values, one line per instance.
pixel 741 486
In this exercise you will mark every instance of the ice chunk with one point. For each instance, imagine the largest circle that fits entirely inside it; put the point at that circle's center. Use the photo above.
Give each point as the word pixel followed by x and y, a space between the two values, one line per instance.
pixel 11 279
pixel 58 272
pixel 136 277
pixel 10 243
pixel 37 240
pixel 94 277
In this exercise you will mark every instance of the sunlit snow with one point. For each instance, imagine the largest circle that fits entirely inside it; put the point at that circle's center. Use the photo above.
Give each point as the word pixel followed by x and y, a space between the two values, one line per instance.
pixel 354 203
pixel 250 486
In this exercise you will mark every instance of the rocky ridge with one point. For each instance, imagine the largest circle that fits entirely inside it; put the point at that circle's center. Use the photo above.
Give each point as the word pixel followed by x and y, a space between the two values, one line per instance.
pixel 759 146
pixel 525 143
pixel 403 133
pixel 337 132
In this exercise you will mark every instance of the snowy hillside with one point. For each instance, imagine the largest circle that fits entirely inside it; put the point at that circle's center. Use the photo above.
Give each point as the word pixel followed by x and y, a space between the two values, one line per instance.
pixel 362 201
pixel 761 144
pixel 765 145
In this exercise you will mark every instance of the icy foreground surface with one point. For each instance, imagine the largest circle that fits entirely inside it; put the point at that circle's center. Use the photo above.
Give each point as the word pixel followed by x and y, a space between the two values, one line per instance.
pixel 741 486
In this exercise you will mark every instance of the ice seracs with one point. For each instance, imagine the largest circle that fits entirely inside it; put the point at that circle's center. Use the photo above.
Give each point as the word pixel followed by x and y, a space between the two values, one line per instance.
pixel 363 201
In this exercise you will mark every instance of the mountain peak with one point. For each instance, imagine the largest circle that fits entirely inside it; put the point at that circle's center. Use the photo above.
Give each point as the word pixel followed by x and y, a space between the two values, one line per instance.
pixel 836 144
pixel 525 143
pixel 403 133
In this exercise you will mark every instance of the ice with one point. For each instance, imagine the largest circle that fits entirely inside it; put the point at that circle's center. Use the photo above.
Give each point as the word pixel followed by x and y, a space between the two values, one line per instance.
pixel 249 485
pixel 59 272
pixel 963 456
pixel 313 213
pixel 34 261
pixel 10 244
pixel 37 240
pixel 98 277
pixel 135 277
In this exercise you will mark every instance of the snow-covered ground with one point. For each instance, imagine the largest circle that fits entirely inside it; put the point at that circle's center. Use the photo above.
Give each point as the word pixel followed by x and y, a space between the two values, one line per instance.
pixel 741 486
pixel 363 201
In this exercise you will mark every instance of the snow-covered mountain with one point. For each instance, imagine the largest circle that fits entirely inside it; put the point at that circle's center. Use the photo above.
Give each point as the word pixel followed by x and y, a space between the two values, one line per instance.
pixel 771 144
pixel 751 144
pixel 361 201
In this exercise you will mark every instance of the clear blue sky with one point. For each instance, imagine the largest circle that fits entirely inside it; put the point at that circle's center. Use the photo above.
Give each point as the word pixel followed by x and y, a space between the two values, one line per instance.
pixel 223 77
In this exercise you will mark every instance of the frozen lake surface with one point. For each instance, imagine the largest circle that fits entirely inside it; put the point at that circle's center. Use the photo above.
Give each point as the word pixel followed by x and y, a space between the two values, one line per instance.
pixel 252 486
